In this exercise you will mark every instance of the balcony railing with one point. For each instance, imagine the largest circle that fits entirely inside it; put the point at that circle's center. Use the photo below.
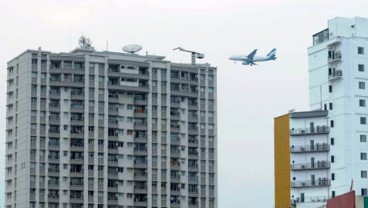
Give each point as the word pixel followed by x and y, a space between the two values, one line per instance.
pixel 307 184
pixel 334 56
pixel 311 199
pixel 306 131
pixel 335 75
pixel 310 148
pixel 311 166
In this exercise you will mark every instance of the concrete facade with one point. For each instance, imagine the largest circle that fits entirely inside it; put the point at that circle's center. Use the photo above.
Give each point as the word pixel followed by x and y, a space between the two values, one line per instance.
pixel 112 130
pixel 338 76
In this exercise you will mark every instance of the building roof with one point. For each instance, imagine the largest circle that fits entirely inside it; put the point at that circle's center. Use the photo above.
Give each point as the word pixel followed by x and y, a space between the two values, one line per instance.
pixel 309 114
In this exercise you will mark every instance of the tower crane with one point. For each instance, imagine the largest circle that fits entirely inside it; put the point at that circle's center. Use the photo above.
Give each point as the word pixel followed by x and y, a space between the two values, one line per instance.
pixel 195 55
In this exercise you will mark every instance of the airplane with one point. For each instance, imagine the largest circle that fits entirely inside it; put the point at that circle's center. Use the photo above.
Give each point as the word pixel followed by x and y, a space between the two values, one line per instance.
pixel 251 58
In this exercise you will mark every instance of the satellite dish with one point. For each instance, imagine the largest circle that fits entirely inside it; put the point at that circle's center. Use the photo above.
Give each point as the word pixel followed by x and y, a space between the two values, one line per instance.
pixel 132 48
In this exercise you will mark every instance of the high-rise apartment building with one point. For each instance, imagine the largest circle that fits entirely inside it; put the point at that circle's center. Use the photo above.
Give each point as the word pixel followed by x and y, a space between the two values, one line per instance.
pixel 338 79
pixel 109 130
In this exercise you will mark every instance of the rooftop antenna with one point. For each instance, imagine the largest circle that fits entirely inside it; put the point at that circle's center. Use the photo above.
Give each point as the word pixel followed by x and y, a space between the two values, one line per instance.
pixel 320 94
pixel 195 55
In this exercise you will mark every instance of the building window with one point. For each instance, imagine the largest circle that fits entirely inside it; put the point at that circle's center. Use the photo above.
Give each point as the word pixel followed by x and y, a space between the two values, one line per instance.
pixel 330 88
pixel 332 141
pixel 362 85
pixel 332 158
pixel 361 67
pixel 363 138
pixel 364 192
pixel 360 50
pixel 333 176
pixel 332 123
pixel 363 174
pixel 363 156
pixel 363 120
pixel 361 102
pixel 333 194
pixel 330 105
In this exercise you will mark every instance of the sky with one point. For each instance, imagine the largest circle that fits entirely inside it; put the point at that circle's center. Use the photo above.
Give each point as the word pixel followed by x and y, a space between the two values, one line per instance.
pixel 248 97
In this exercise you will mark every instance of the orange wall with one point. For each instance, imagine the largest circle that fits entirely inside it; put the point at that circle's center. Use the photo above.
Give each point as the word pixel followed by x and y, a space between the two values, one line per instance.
pixel 282 161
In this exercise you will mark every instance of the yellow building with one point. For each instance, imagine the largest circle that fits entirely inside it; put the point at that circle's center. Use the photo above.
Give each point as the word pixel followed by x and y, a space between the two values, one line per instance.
pixel 282 161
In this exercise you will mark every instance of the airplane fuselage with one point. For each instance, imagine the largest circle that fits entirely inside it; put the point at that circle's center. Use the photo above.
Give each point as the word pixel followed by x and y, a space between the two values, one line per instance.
pixel 255 59
pixel 251 59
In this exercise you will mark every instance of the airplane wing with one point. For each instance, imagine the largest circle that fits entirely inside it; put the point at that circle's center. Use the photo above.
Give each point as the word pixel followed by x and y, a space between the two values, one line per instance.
pixel 251 55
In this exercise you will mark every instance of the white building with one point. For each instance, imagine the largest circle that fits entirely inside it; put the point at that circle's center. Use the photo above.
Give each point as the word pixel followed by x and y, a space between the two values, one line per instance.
pixel 309 158
pixel 338 83
pixel 109 130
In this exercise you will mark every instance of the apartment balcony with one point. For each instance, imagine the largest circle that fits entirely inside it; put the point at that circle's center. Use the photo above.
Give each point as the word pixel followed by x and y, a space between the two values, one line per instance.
pixel 193 156
pixel 113 111
pixel 140 139
pixel 54 107
pixel 76 200
pixel 334 56
pixel 310 131
pixel 312 199
pixel 322 182
pixel 53 198
pixel 140 126
pixel 140 177
pixel 175 153
pixel 77 96
pixel 310 148
pixel 140 203
pixel 193 180
pixel 175 191
pixel 337 74
pixel 183 92
pixel 139 113
pixel 140 164
pixel 175 104
pixel 140 189
pixel 140 101
pixel 142 152
pixel 54 120
pixel 193 193
pixel 53 95
pixel 193 143
pixel 192 130
pixel 175 117
pixel 113 123
pixel 175 166
pixel 193 118
pixel 193 168
pixel 32 197
pixel 175 128
pixel 311 166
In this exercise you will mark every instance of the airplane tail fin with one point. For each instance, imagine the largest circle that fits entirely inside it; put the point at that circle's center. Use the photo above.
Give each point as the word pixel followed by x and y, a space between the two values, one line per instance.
pixel 272 53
